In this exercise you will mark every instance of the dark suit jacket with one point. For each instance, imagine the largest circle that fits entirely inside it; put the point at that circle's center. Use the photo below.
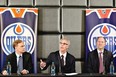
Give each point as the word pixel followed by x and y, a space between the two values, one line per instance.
pixel 55 57
pixel 27 62
pixel 93 61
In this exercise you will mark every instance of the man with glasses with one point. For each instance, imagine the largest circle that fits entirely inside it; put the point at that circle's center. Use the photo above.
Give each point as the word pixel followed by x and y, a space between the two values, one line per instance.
pixel 64 61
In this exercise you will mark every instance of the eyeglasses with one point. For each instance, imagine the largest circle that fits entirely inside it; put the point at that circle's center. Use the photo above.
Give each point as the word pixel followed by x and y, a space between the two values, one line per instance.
pixel 63 43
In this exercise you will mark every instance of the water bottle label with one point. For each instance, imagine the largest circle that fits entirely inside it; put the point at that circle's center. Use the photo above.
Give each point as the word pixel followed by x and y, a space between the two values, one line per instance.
pixel 52 72
pixel 52 69
pixel 9 70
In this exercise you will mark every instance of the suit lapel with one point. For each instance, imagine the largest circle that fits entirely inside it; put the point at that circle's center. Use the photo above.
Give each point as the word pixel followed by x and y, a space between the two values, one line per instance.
pixel 104 57
pixel 67 59
pixel 96 58
pixel 24 60
pixel 58 58
pixel 14 61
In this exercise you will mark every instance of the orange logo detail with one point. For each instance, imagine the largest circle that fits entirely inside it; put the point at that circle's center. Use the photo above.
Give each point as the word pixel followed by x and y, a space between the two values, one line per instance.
pixel 105 29
pixel 18 13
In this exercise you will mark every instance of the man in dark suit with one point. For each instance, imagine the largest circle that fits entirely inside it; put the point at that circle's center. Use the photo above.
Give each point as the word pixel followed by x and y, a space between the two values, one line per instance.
pixel 99 60
pixel 27 66
pixel 65 66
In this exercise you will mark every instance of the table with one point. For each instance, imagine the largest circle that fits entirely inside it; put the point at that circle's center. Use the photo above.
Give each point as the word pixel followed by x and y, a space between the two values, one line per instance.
pixel 63 75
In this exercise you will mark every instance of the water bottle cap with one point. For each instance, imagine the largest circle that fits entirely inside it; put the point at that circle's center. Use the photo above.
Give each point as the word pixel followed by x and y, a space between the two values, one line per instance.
pixel 112 62
pixel 8 62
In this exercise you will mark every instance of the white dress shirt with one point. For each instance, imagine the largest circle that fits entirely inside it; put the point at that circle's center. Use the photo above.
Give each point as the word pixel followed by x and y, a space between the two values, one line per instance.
pixel 101 54
pixel 17 55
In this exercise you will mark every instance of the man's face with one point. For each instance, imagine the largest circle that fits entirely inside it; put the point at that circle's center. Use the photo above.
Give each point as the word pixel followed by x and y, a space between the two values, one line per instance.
pixel 20 48
pixel 101 43
pixel 63 45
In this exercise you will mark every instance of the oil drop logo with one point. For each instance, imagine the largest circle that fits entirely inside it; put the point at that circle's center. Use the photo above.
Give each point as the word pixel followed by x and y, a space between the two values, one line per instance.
pixel 106 30
pixel 17 31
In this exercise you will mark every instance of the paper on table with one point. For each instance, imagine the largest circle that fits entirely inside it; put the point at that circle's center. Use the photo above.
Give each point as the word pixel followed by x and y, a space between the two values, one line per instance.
pixel 69 74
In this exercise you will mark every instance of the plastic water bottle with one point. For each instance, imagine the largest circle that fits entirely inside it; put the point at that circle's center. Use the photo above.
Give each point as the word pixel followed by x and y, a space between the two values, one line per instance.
pixel 111 68
pixel 53 69
pixel 9 68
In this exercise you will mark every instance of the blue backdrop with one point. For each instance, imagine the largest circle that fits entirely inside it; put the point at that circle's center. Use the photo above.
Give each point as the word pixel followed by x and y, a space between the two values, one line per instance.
pixel 101 22
pixel 18 23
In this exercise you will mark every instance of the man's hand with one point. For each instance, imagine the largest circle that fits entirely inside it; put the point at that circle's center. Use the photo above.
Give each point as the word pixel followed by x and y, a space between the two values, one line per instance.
pixel 4 72
pixel 42 64
pixel 24 71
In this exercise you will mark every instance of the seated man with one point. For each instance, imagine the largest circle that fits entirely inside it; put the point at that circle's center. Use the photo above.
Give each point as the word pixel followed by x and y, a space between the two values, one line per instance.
pixel 64 61
pixel 99 60
pixel 19 55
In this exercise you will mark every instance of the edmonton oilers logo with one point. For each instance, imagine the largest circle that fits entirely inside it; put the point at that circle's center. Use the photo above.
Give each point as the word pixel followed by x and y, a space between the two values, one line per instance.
pixel 106 30
pixel 17 31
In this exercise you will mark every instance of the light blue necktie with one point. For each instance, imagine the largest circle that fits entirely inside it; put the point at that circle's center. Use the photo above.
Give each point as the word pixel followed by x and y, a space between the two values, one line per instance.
pixel 20 65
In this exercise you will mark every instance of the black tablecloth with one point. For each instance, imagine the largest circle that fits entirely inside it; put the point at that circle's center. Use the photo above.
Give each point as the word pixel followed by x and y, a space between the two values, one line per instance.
pixel 63 75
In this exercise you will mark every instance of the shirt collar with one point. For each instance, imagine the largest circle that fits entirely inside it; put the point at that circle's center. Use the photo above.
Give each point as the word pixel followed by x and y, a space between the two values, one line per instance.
pixel 100 51
pixel 18 54
pixel 63 54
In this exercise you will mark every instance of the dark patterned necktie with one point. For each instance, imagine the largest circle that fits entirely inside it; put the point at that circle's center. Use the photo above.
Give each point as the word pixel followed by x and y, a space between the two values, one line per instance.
pixel 62 60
